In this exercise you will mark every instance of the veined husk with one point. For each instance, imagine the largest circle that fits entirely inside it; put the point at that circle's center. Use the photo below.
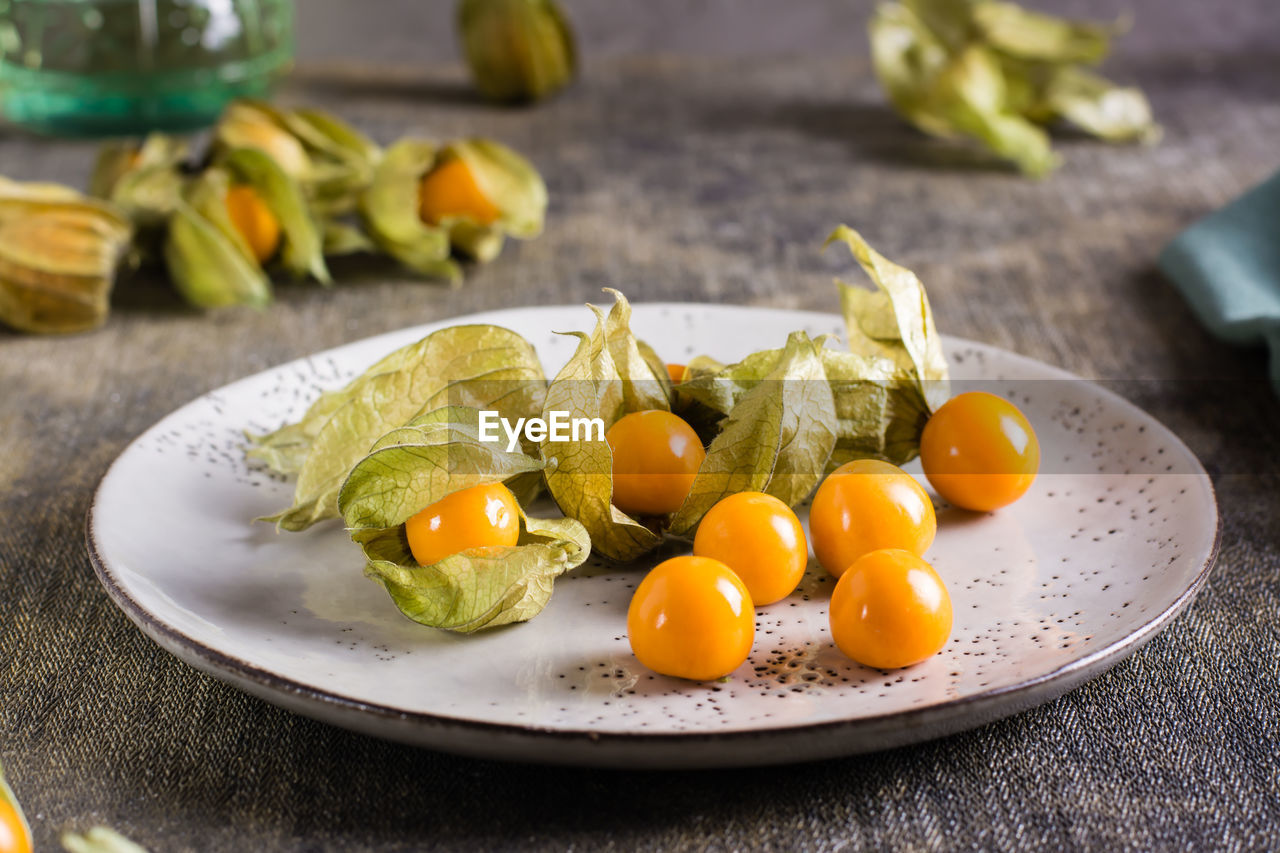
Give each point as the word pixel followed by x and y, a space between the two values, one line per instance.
pixel 774 437
pixel 874 397
pixel 518 50
pixel 59 252
pixel 390 206
pixel 480 367
pixel 778 419
pixel 343 238
pixel 412 467
pixel 894 375
pixel 331 160
pixel 993 72
pixel 301 249
pixel 402 435
pixel 143 178
pixel 210 262
pixel 607 377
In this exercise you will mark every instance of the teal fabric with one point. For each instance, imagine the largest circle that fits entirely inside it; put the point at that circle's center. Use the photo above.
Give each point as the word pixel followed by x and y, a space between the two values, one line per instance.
pixel 1227 266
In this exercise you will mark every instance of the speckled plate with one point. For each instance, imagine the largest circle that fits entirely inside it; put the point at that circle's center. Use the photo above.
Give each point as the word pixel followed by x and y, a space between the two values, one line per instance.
pixel 1114 539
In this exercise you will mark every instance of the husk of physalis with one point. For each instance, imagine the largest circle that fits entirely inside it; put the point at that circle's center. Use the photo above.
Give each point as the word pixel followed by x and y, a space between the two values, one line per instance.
pixel 416 465
pixel 517 50
pixel 210 262
pixel 391 207
pixel 144 178
pixel 330 160
pixel 59 252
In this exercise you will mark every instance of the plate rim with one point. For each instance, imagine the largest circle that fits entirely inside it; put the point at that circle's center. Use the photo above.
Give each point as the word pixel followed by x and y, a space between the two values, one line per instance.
pixel 313 701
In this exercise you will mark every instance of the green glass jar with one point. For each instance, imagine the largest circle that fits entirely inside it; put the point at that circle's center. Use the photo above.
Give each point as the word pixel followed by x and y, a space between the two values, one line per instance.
pixel 117 67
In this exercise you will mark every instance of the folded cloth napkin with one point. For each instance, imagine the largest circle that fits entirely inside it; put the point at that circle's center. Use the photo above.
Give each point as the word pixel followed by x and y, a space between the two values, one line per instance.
pixel 1227 266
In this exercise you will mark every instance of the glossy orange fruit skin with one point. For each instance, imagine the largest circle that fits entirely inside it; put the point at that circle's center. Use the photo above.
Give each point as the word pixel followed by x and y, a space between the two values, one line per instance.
pixel 676 372
pixel 979 451
pixel 450 189
pixel 656 455
pixel 760 539
pixel 254 221
pixel 867 505
pixel 13 835
pixel 691 617
pixel 890 610
pixel 481 516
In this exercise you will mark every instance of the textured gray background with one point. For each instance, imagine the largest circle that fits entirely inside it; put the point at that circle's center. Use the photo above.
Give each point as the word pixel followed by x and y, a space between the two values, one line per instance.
pixel 705 153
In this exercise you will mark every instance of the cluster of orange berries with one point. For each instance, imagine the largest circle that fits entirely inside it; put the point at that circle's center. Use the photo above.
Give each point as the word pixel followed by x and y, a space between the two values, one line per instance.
pixel 694 616
pixel 870 522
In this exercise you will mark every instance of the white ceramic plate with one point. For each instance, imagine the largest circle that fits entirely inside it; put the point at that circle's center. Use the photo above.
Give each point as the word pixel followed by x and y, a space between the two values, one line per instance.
pixel 1114 539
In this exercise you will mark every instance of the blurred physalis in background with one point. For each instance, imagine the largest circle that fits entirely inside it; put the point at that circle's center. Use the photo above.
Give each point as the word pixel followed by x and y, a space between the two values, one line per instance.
pixel 59 252
pixel 995 73
pixel 518 50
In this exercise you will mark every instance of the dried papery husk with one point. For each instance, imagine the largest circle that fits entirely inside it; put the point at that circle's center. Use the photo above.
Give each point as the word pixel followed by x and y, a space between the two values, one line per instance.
pixel 391 206
pixel 517 50
pixel 59 252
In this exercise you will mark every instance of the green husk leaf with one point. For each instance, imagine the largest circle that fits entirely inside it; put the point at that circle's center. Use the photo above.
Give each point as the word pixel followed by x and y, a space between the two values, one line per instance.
pixel 518 50
pixel 950 22
pixel 331 161
pixel 481 243
pixel 7 795
pixel 644 382
pixel 879 414
pixel 950 94
pixel 389 209
pixel 148 195
pixel 704 419
pixel 341 238
pixel 720 387
pixel 99 839
pixel 970 97
pixel 285 449
pixel 1019 32
pixel 208 260
pixel 879 408
pixel 895 322
pixel 390 206
pixel 1100 107
pixel 657 367
pixel 506 179
pixel 255 124
pixel 476 366
pixel 144 179
pixel 992 71
pixel 38 191
pixel 301 247
pixel 777 438
pixel 907 57
pixel 327 134
pixel 607 377
pixel 58 257
pixel 701 366
pixel 343 159
pixel 429 458
pixel 118 158
pixel 482 587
